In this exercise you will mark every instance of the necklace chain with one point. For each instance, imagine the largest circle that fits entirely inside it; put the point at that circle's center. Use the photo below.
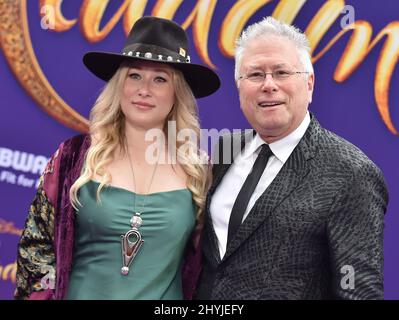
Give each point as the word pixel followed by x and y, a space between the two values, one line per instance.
pixel 130 248
pixel 134 181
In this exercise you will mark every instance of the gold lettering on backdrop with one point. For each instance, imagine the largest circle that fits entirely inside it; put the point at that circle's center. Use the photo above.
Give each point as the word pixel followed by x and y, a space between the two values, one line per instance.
pixel 17 46
pixel 234 23
pixel 240 13
pixel 166 8
pixel 201 24
pixel 8 272
pixel 287 10
pixel 322 21
pixel 134 12
pixel 200 17
pixel 61 24
pixel 8 228
pixel 356 51
pixel 90 17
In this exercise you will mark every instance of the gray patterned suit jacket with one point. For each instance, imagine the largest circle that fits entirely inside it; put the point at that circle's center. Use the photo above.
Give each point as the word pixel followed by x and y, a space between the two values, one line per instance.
pixel 315 233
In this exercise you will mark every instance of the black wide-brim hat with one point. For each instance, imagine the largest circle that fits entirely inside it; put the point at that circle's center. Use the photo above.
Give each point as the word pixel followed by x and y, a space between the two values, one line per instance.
pixel 160 40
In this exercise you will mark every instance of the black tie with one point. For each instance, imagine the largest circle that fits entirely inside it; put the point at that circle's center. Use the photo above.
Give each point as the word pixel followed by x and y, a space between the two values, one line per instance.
pixel 241 203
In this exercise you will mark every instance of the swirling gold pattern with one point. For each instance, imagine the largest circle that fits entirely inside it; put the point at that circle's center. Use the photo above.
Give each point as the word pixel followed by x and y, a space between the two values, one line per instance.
pixel 17 47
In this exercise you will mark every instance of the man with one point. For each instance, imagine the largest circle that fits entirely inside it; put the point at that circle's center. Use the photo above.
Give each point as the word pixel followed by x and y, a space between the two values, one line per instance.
pixel 299 213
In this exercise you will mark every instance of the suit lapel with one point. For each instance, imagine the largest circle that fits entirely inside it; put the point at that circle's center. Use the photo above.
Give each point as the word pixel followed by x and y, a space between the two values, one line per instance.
pixel 287 180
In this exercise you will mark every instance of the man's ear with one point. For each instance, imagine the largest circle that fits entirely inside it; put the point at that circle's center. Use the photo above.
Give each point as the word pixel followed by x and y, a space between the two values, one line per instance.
pixel 310 83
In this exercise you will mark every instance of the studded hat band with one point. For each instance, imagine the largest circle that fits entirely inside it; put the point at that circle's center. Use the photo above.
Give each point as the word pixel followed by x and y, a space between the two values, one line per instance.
pixel 152 52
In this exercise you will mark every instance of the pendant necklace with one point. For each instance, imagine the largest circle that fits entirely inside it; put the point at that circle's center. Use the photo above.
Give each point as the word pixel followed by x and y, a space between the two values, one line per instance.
pixel 132 241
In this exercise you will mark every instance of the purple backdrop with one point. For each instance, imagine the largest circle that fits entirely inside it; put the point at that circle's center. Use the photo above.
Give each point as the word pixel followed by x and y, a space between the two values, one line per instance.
pixel 347 108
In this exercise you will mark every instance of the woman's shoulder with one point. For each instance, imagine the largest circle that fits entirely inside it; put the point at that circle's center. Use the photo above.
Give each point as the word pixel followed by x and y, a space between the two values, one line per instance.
pixel 69 148
pixel 67 159
pixel 75 143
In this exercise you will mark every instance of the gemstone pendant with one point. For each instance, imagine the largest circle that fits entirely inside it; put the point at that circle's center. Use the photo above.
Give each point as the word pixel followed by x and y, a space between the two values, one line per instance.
pixel 136 221
pixel 131 248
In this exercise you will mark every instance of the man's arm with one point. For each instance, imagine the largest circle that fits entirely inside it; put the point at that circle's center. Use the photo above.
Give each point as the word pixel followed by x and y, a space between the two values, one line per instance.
pixel 355 234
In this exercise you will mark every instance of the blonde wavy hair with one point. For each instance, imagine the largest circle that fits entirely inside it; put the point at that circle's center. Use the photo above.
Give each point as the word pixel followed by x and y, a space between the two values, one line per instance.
pixel 107 132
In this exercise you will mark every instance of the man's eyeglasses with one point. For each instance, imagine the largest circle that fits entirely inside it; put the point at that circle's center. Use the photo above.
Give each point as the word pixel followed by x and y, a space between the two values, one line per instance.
pixel 278 75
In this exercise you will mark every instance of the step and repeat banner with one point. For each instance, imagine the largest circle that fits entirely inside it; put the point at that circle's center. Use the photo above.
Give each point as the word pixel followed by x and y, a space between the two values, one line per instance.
pixel 46 93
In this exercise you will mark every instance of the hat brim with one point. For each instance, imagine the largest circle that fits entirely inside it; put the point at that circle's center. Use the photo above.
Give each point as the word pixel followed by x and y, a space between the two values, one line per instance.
pixel 202 80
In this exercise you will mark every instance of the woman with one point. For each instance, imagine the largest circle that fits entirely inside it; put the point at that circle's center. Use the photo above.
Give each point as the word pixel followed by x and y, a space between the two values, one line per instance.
pixel 113 214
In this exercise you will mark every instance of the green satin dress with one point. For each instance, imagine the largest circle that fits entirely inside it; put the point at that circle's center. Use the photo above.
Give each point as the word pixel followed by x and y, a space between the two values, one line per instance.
pixel 155 273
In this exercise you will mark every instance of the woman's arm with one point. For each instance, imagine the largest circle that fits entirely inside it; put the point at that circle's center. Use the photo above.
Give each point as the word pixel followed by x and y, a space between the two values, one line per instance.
pixel 35 278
